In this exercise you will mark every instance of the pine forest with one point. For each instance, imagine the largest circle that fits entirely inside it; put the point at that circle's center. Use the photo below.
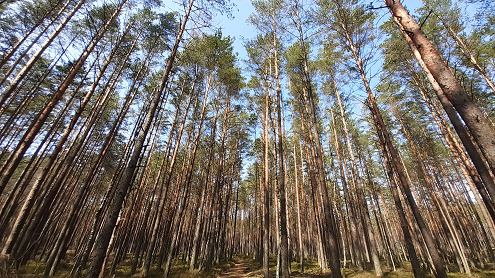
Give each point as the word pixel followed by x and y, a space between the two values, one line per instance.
pixel 350 138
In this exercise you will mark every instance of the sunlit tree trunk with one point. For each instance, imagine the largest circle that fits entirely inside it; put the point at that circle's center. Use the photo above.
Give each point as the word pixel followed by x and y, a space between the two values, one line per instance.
pixel 479 127
pixel 17 45
pixel 8 169
pixel 284 243
pixel 298 203
pixel 468 53
pixel 471 149
pixel 391 151
pixel 126 181
pixel 362 201
pixel 29 65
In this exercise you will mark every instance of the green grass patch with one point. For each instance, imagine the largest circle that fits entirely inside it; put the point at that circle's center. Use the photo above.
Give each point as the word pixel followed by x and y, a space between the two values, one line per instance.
pixel 180 269
pixel 32 267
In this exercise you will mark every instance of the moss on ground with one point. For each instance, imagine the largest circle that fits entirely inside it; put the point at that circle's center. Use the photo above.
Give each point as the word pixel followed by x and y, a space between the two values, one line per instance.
pixel 180 269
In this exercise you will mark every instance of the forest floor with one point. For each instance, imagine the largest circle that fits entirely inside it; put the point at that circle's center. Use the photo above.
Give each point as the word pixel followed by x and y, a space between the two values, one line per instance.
pixel 246 267
pixel 239 267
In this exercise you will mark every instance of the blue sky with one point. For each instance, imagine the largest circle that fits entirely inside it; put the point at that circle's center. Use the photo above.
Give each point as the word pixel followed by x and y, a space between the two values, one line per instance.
pixel 237 27
pixel 242 31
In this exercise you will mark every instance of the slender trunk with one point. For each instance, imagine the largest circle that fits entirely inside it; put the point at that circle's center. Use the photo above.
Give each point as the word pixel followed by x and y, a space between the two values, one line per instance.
pixel 471 149
pixel 328 211
pixel 479 127
pixel 216 201
pixel 21 56
pixel 128 176
pixel 266 187
pixel 298 202
pixel 194 256
pixel 468 53
pixel 49 193
pixel 106 147
pixel 24 212
pixel 21 218
pixel 284 243
pixel 177 221
pixel 400 211
pixel 170 172
pixel 234 229
pixel 362 200
pixel 197 231
pixel 467 168
pixel 384 134
pixel 166 183
pixel 449 230
pixel 8 169
pixel 27 67
pixel 352 234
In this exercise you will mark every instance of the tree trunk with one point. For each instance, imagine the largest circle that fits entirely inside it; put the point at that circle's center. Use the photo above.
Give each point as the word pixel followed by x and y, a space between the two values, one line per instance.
pixel 8 169
pixel 284 243
pixel 383 133
pixel 479 127
pixel 471 149
pixel 27 67
pixel 266 187
pixel 468 53
pixel 14 48
pixel 298 203
pixel 362 200
pixel 128 176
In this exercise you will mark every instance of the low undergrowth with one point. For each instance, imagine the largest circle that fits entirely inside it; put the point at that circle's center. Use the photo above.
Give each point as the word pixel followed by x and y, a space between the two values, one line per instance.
pixel 180 269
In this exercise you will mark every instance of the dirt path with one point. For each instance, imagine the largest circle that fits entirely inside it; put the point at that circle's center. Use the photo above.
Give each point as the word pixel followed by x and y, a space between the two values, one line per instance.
pixel 240 270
